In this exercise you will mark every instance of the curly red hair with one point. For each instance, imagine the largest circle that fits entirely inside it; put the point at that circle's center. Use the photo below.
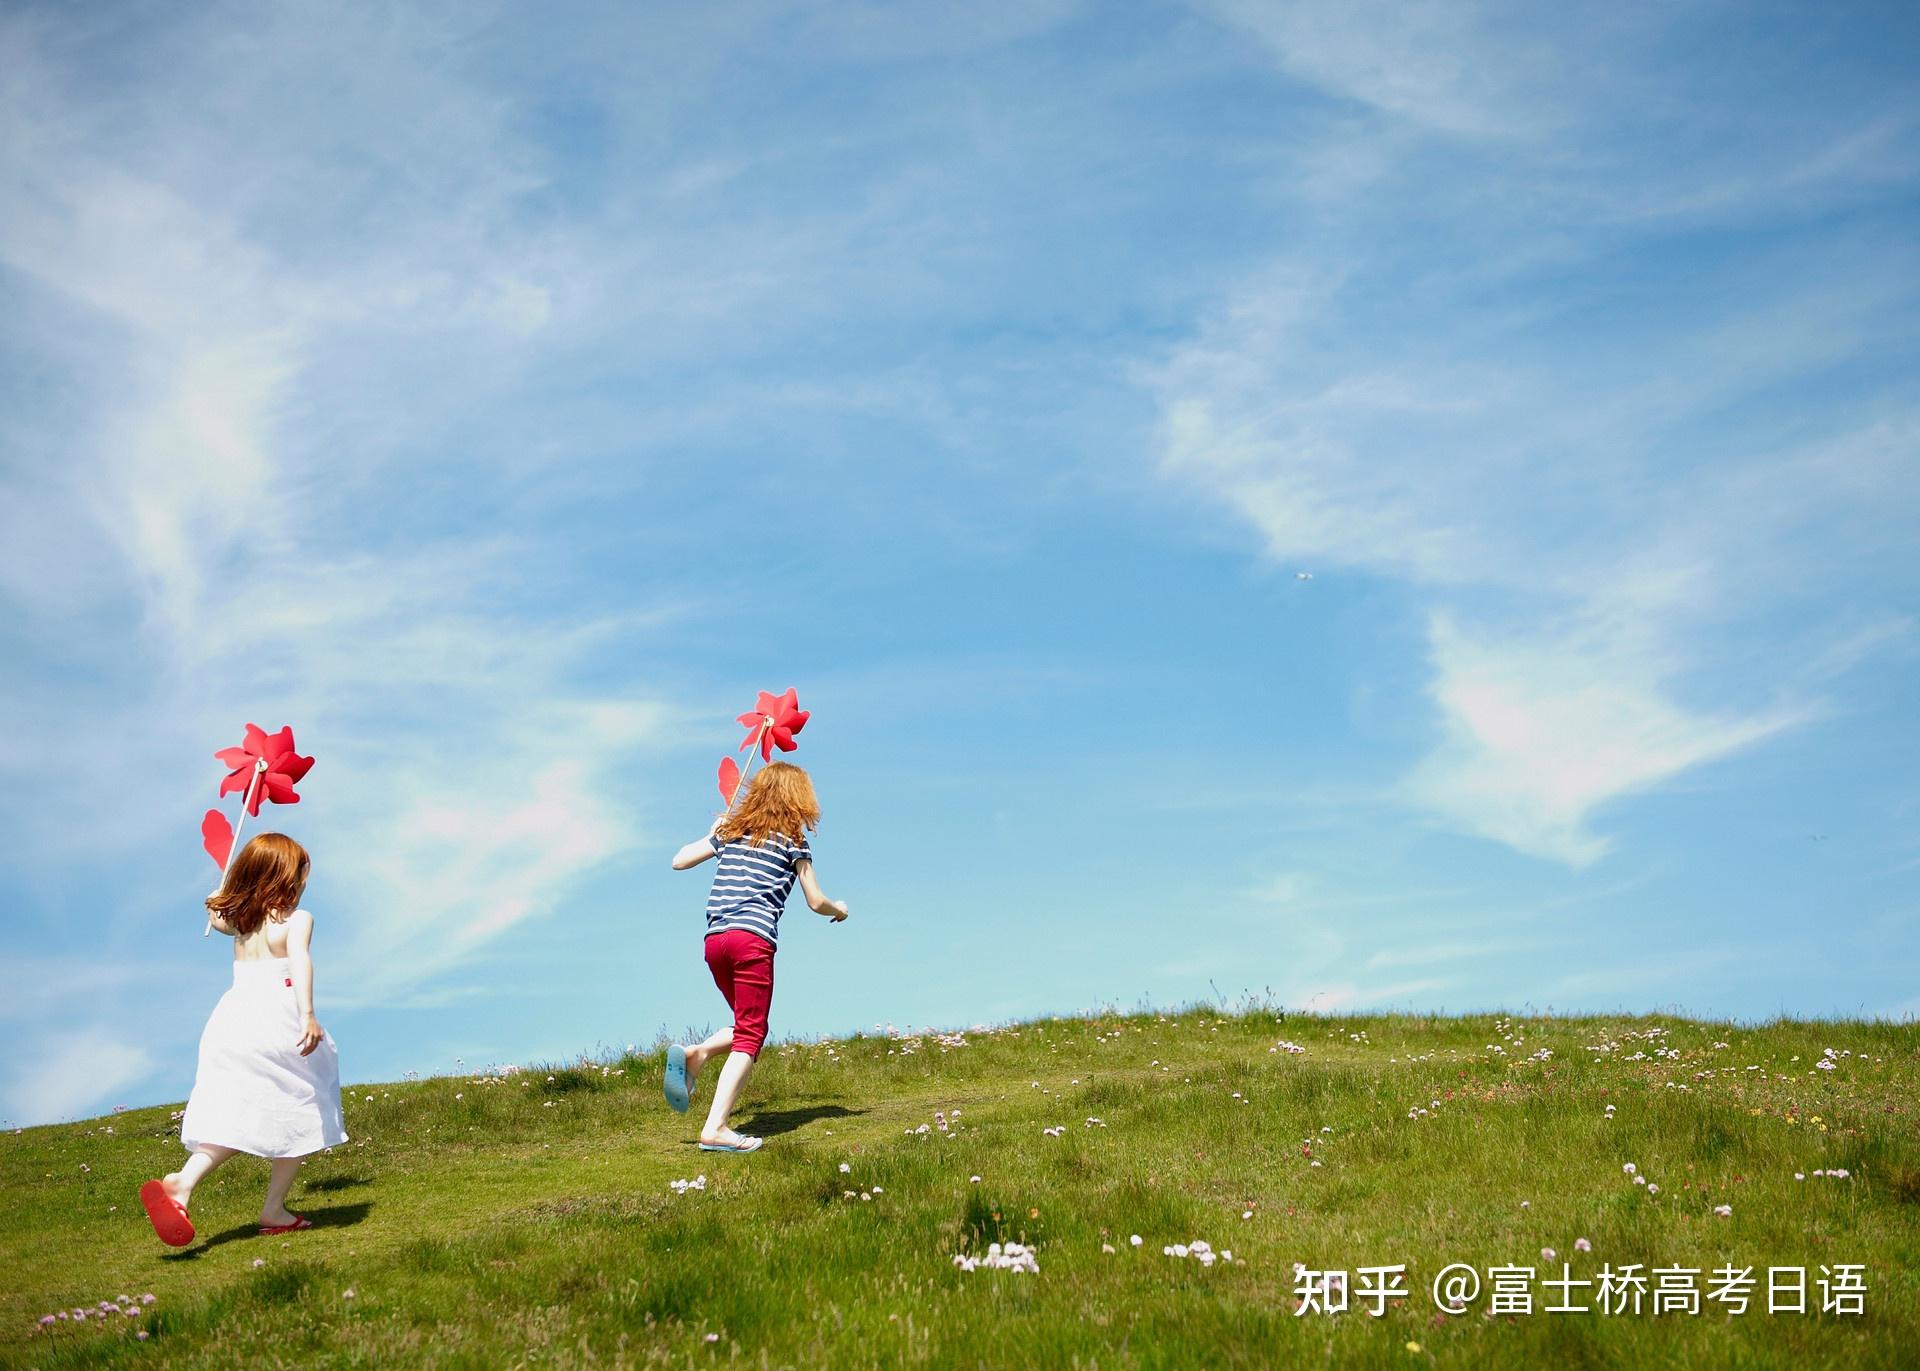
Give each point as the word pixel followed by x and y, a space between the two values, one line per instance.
pixel 780 800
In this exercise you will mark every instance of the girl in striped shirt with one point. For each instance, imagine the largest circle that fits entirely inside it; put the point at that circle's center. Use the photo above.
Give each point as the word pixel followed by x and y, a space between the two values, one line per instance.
pixel 762 847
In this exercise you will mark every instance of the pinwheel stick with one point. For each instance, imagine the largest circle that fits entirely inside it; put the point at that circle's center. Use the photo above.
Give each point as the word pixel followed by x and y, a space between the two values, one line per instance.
pixel 246 802
pixel 753 746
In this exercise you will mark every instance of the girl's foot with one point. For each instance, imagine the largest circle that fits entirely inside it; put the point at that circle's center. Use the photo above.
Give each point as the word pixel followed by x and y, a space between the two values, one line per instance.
pixel 677 1084
pixel 283 1222
pixel 167 1215
pixel 729 1141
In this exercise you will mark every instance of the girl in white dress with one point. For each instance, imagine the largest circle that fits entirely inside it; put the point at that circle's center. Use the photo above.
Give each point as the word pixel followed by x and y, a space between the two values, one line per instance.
pixel 269 1076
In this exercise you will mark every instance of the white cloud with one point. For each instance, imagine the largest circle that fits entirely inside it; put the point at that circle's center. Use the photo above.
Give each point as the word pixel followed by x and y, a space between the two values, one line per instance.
pixel 1565 602
pixel 74 1073
pixel 1424 955
pixel 273 324
pixel 1457 67
pixel 866 31
pixel 1340 997
pixel 1627 983
pixel 1538 733
pixel 212 477
pixel 278 335
pixel 465 783
pixel 443 855
pixel 1284 888
pixel 1601 116
pixel 1589 506
pixel 44 986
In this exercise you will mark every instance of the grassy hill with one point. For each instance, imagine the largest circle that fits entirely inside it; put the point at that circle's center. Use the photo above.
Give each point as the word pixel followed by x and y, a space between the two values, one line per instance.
pixel 531 1217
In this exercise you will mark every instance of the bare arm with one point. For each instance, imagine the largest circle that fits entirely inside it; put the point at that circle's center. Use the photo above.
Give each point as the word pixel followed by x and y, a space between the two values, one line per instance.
pixel 697 851
pixel 300 962
pixel 817 899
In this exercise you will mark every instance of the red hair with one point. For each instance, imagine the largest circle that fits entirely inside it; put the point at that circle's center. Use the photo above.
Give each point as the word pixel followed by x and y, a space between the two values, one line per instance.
pixel 265 879
pixel 780 800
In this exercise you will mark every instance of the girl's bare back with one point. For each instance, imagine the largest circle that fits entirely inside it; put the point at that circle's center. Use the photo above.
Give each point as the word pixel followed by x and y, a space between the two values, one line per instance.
pixel 266 943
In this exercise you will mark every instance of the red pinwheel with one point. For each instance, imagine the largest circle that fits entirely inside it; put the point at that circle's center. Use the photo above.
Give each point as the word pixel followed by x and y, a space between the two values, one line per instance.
pixel 264 766
pixel 284 767
pixel 771 723
pixel 216 836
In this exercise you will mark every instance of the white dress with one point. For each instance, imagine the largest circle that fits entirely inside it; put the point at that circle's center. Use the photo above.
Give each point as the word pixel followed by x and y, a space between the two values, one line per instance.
pixel 254 1091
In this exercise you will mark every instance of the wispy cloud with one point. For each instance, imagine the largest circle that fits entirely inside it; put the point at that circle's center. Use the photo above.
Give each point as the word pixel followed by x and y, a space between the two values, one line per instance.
pixel 1566 608
pixel 1475 70
pixel 296 353
pixel 1583 496
pixel 1539 734
pixel 75 1074
pixel 1427 954
pixel 1335 997
pixel 1284 888
pixel 468 417
pixel 49 987
pixel 204 484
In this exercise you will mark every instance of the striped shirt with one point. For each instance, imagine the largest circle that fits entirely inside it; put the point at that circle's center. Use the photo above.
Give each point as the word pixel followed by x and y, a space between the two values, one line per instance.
pixel 751 884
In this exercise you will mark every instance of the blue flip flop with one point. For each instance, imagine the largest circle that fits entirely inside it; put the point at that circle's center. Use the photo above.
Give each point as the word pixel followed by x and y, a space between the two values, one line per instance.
pixel 675 1082
pixel 744 1145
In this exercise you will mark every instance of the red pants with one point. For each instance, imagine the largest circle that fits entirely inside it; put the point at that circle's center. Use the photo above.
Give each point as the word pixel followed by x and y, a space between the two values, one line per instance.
pixel 742 966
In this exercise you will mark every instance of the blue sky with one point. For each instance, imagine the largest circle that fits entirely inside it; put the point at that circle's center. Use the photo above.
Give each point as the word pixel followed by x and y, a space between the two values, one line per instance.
pixel 503 395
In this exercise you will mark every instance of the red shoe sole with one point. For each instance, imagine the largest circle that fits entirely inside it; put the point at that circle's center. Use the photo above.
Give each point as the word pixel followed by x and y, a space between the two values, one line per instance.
pixel 170 1222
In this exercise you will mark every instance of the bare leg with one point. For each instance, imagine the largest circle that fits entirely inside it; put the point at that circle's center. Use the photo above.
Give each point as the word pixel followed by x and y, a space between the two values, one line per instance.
pixel 202 1160
pixel 274 1211
pixel 725 1091
pixel 701 1053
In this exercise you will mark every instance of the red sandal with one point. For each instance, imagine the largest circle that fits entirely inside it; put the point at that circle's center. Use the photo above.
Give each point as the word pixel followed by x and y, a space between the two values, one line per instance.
pixel 170 1222
pixel 300 1221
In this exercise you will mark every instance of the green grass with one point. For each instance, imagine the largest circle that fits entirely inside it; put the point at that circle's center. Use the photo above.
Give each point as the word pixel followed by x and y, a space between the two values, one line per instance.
pixel 529 1220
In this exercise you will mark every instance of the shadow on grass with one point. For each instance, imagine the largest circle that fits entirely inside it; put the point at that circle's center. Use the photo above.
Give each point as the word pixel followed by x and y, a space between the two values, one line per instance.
pixel 333 1183
pixel 339 1216
pixel 772 1122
